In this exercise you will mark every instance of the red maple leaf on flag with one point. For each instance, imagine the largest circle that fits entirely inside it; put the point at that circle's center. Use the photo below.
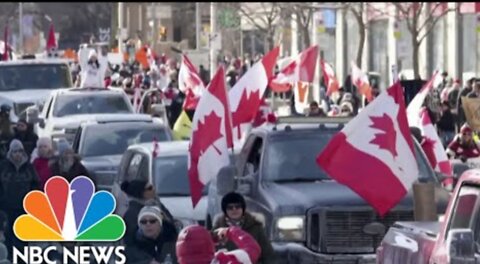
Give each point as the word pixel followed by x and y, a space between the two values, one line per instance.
pixel 387 139
pixel 202 138
pixel 247 109
pixel 206 134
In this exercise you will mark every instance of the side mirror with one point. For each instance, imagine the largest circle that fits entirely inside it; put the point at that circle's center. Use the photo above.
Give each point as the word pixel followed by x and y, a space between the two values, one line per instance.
pixel 461 246
pixel 226 180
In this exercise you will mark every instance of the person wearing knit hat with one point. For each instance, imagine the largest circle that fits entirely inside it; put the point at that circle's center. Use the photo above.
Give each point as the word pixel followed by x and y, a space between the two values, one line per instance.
pixel 41 157
pixel 17 179
pixel 141 193
pixel 68 164
pixel 152 242
pixel 235 215
pixel 24 132
pixel 463 146
pixel 195 245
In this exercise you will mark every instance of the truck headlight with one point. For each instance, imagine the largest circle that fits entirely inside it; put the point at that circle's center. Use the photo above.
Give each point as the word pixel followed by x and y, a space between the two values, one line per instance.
pixel 291 228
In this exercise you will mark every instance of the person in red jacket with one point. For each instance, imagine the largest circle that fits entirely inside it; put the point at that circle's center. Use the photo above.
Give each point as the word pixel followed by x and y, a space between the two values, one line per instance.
pixel 44 154
pixel 196 246
pixel 463 146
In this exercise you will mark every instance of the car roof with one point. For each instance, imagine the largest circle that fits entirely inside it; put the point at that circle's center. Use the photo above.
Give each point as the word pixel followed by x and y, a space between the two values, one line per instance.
pixel 33 62
pixel 127 118
pixel 165 148
pixel 88 90
pixel 292 123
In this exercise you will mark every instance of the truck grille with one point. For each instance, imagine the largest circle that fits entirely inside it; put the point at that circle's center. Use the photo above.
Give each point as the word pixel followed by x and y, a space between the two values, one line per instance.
pixel 341 230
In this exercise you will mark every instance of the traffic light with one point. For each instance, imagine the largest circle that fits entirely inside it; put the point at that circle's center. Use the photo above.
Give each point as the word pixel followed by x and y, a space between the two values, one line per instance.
pixel 162 33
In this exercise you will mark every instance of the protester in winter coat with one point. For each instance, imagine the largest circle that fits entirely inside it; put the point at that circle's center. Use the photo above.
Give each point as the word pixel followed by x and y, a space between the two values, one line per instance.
pixel 68 164
pixel 141 193
pixel 463 146
pixel 41 163
pixel 475 93
pixel 17 178
pixel 464 92
pixel 196 246
pixel 91 75
pixel 235 214
pixel 446 125
pixel 24 133
pixel 152 242
pixel 6 131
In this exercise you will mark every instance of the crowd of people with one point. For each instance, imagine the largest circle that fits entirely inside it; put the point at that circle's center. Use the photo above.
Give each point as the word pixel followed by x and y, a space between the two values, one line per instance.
pixel 152 236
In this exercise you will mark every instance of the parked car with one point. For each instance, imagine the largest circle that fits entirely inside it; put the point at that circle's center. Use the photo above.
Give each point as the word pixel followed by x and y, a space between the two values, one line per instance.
pixel 102 142
pixel 456 239
pixel 66 109
pixel 24 83
pixel 309 217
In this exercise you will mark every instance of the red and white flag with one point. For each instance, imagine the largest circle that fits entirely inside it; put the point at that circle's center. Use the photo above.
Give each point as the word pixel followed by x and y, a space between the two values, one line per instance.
pixel 246 95
pixel 414 107
pixel 211 136
pixel 188 79
pixel 329 78
pixel 433 147
pixel 360 80
pixel 6 50
pixel 51 41
pixel 374 154
pixel 301 69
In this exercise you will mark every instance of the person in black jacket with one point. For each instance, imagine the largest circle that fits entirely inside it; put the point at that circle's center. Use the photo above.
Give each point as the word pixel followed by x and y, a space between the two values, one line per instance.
pixel 68 164
pixel 6 131
pixel 141 193
pixel 17 179
pixel 446 125
pixel 152 243
pixel 24 133
pixel 464 92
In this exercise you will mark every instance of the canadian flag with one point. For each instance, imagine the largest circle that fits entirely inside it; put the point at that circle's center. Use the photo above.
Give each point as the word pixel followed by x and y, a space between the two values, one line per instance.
pixel 360 80
pixel 211 136
pixel 188 79
pixel 329 78
pixel 433 147
pixel 374 154
pixel 300 69
pixel 414 107
pixel 300 91
pixel 246 95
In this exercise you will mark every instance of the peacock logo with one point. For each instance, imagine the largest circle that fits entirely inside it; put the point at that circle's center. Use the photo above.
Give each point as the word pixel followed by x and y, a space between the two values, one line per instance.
pixel 69 212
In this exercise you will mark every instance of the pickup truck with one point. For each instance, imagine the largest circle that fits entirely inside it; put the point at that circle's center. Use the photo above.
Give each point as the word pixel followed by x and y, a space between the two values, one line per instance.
pixel 308 216
pixel 454 239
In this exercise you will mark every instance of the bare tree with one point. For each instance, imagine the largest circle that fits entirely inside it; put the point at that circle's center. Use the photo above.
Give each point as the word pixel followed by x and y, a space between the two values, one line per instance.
pixel 420 28
pixel 304 14
pixel 357 9
pixel 263 16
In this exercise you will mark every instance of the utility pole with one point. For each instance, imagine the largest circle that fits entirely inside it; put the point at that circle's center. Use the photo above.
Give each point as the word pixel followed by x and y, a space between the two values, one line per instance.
pixel 198 24
pixel 213 37
pixel 20 18
pixel 120 27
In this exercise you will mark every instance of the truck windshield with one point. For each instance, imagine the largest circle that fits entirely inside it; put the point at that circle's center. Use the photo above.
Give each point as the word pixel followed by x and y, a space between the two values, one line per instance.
pixel 292 158
pixel 34 76
pixel 77 104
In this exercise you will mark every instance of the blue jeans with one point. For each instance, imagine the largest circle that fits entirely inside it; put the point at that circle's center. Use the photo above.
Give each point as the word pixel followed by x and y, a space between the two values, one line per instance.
pixel 446 137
